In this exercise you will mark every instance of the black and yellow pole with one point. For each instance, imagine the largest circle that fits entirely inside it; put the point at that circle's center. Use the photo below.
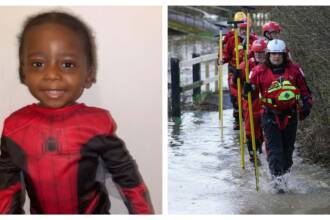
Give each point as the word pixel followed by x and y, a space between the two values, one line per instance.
pixel 220 79
pixel 256 169
pixel 239 91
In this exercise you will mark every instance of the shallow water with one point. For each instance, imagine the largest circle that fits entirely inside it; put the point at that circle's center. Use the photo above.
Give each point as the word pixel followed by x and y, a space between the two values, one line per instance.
pixel 205 175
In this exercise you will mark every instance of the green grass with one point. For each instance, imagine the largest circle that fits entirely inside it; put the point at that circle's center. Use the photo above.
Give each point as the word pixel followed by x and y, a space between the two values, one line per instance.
pixel 206 34
pixel 185 28
pixel 189 29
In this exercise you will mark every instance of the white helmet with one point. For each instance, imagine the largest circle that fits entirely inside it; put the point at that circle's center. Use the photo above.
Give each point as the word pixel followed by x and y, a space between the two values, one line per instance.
pixel 276 46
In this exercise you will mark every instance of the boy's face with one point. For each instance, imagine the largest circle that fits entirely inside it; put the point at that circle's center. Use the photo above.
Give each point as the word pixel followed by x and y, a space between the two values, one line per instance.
pixel 55 65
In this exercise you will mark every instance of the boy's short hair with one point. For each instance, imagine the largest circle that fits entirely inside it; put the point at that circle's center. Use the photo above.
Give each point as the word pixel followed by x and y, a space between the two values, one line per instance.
pixel 73 23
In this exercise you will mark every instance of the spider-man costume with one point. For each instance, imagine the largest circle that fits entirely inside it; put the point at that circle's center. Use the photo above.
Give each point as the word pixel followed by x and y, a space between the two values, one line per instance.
pixel 57 152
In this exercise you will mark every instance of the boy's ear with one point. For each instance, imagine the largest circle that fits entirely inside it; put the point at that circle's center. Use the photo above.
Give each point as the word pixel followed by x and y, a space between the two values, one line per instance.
pixel 90 79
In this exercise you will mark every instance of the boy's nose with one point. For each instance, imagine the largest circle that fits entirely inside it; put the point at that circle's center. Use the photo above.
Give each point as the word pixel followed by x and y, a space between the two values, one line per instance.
pixel 52 73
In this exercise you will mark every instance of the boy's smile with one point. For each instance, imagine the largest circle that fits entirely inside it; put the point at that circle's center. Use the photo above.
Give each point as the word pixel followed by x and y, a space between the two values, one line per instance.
pixel 55 65
pixel 54 93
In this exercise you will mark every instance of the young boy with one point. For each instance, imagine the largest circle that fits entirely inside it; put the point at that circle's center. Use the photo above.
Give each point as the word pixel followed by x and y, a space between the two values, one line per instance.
pixel 56 144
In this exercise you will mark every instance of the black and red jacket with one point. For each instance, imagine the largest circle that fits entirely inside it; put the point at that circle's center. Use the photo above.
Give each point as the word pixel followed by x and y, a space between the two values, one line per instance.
pixel 229 50
pixel 57 153
pixel 262 77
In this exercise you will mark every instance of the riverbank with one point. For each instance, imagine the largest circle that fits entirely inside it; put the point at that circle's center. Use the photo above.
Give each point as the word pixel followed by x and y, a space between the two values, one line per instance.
pixel 314 144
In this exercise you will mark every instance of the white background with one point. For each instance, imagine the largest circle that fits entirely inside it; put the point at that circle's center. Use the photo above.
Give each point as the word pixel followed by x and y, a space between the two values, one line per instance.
pixel 129 82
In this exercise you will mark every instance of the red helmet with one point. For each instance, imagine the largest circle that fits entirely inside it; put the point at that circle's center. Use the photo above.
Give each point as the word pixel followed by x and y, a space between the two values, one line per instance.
pixel 259 46
pixel 270 27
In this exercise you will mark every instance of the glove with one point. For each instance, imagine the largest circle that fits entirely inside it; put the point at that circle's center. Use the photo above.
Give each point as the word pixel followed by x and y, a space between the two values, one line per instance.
pixel 223 61
pixel 247 87
pixel 244 44
pixel 236 74
pixel 306 109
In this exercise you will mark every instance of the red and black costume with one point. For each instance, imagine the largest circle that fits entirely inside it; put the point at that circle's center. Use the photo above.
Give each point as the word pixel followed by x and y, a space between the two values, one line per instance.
pixel 57 152
pixel 280 139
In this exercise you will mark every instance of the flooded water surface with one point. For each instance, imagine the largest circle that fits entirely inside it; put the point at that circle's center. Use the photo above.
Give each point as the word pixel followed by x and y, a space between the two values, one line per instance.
pixel 205 175
pixel 204 170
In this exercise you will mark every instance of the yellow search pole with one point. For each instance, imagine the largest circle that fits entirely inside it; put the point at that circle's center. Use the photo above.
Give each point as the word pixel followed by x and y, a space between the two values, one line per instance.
pixel 220 95
pixel 239 98
pixel 256 169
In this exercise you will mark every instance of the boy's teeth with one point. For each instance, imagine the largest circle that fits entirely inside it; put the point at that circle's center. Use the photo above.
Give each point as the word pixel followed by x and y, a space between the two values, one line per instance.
pixel 54 93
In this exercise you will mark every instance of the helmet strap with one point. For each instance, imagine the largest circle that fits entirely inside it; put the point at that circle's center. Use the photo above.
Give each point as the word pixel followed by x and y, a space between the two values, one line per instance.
pixel 267 36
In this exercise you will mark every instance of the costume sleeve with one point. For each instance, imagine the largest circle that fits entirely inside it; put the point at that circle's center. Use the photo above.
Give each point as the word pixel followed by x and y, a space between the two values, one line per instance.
pixel 11 195
pixel 125 173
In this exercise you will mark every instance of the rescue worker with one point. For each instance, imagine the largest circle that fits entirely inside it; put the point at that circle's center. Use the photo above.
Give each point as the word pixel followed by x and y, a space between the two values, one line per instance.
pixel 271 30
pixel 229 56
pixel 237 17
pixel 258 50
pixel 283 91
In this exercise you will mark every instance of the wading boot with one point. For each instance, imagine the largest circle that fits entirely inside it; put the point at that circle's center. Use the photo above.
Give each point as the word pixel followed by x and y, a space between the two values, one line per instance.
pixel 235 125
pixel 280 185
pixel 236 120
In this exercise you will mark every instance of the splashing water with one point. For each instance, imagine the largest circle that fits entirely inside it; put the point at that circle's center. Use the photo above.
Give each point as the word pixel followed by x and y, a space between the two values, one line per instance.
pixel 205 175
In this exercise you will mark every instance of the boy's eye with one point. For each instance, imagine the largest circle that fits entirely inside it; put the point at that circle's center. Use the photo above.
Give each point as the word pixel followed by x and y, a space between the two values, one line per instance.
pixel 68 65
pixel 38 64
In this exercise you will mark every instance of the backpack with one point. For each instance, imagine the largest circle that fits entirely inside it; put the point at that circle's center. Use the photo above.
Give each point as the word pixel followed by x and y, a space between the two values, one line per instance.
pixel 281 95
